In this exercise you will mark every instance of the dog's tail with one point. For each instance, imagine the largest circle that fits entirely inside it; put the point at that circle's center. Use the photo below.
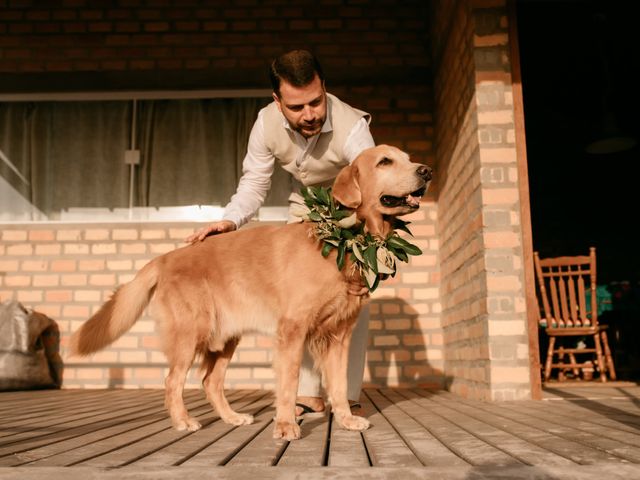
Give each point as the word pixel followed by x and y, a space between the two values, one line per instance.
pixel 117 315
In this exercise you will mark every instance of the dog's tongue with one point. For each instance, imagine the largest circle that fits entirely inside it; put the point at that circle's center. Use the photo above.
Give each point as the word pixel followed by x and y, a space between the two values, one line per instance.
pixel 413 201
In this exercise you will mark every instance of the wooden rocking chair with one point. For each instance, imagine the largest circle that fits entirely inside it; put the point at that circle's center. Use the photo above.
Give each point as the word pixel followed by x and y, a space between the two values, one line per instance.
pixel 564 285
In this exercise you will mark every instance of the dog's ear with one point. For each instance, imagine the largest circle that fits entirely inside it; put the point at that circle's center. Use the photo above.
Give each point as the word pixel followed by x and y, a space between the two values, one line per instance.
pixel 346 189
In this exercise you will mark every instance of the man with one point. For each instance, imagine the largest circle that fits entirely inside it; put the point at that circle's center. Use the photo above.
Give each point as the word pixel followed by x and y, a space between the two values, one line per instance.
pixel 312 135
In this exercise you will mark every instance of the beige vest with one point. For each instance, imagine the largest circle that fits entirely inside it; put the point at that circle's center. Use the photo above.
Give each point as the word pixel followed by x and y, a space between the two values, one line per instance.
pixel 325 160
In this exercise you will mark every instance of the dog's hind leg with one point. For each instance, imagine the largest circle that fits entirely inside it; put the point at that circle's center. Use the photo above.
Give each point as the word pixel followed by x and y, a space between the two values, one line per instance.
pixel 174 384
pixel 334 364
pixel 180 354
pixel 289 349
pixel 215 366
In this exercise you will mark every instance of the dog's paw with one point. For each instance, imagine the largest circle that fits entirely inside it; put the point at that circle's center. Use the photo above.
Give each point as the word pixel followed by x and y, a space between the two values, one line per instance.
pixel 287 431
pixel 354 422
pixel 189 424
pixel 238 419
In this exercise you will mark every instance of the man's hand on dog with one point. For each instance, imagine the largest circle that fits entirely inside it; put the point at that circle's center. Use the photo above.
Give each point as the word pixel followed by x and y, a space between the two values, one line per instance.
pixel 211 229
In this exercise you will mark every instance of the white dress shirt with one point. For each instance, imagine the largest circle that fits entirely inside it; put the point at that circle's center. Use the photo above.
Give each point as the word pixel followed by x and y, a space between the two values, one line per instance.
pixel 259 163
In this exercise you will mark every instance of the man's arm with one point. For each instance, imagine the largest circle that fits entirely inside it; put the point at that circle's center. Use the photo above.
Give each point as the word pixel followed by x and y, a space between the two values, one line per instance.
pixel 359 139
pixel 257 168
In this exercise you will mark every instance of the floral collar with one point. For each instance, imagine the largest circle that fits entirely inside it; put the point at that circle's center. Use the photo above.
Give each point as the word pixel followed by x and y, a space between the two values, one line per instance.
pixel 373 257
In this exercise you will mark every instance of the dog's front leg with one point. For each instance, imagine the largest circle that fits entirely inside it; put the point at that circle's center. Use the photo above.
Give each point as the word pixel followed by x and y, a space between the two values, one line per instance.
pixel 289 350
pixel 334 369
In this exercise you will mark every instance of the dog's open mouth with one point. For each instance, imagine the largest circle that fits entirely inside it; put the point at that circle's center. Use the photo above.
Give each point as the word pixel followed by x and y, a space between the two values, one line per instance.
pixel 411 200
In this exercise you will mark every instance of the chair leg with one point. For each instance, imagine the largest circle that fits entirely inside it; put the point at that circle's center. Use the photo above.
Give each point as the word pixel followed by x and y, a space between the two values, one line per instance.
pixel 547 365
pixel 576 370
pixel 562 372
pixel 602 368
pixel 607 353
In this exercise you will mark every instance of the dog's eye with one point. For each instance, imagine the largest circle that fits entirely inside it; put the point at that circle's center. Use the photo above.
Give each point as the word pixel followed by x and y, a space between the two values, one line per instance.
pixel 384 161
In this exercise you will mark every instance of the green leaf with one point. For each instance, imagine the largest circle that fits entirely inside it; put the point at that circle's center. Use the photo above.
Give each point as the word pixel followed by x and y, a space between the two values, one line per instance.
pixel 323 196
pixel 400 243
pixel 412 249
pixel 376 282
pixel 370 278
pixel 340 259
pixel 371 258
pixel 401 255
pixel 340 214
pixel 315 216
pixel 346 234
pixel 326 249
pixel 401 225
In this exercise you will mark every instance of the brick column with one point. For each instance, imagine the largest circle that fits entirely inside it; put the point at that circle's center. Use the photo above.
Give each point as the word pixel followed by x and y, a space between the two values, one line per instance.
pixel 482 290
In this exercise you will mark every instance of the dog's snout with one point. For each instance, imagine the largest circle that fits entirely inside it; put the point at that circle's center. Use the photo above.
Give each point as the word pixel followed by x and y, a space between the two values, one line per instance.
pixel 424 172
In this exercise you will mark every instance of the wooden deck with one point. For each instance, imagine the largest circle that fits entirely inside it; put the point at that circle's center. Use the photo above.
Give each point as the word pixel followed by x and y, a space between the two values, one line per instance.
pixel 587 432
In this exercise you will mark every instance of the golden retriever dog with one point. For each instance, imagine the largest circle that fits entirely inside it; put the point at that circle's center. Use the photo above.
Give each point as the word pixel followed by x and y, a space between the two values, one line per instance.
pixel 269 279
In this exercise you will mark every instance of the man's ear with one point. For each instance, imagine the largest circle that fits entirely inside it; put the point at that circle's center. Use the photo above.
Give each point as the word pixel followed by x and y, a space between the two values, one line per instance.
pixel 277 100
pixel 346 189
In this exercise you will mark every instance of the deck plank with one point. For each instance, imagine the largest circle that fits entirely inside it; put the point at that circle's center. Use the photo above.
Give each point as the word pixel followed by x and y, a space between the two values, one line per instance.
pixel 622 444
pixel 346 448
pixel 124 424
pixel 262 451
pixel 557 439
pixel 385 446
pixel 24 422
pixel 518 440
pixel 36 402
pixel 88 435
pixel 456 435
pixel 621 414
pixel 138 428
pixel 155 441
pixel 426 447
pixel 53 431
pixel 225 448
pixel 178 452
pixel 133 444
pixel 311 449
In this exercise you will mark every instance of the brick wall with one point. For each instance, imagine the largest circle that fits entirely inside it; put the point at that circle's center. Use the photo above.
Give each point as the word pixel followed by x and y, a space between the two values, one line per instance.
pixel 481 258
pixel 84 44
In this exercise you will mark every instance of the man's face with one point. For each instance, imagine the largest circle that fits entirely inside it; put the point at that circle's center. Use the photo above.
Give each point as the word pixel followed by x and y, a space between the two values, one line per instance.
pixel 305 108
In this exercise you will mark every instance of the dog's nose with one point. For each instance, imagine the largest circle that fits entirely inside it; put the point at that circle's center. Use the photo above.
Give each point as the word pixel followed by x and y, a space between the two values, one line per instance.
pixel 424 171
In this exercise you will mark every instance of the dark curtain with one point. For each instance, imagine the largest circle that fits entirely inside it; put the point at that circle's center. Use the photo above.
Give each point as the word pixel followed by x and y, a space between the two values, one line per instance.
pixel 72 153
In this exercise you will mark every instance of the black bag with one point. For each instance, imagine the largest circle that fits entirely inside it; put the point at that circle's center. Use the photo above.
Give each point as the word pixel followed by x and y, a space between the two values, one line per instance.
pixel 29 349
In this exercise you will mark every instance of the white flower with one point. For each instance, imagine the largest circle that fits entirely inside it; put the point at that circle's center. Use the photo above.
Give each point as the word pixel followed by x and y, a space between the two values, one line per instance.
pixel 386 261
pixel 298 210
pixel 348 222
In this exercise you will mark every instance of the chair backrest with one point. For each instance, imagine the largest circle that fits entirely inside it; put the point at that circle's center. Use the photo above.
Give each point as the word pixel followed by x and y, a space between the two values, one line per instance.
pixel 567 288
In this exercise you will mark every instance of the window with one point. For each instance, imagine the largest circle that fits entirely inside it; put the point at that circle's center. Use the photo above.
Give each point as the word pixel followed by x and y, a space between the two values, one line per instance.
pixel 127 159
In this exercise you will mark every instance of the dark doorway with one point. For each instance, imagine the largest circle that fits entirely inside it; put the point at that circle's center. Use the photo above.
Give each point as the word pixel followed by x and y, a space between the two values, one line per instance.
pixel 580 63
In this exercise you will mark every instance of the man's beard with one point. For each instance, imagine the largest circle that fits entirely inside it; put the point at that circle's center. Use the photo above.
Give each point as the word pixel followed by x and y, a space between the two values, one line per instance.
pixel 309 130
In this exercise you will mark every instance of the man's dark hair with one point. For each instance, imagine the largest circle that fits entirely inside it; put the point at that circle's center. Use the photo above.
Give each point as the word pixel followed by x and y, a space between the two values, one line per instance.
pixel 297 67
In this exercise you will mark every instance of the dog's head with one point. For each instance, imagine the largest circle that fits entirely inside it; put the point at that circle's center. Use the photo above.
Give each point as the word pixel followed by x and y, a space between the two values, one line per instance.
pixel 381 183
